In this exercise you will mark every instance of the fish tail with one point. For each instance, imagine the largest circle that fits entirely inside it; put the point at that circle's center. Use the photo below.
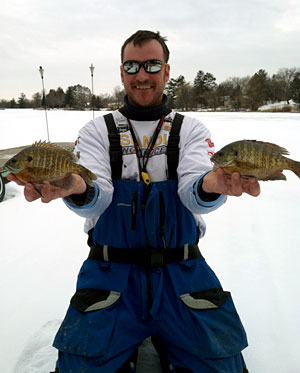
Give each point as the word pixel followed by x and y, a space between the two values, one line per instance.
pixel 296 168
pixel 87 175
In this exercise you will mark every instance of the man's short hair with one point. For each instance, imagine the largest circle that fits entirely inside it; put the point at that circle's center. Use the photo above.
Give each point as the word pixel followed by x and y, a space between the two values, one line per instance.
pixel 142 36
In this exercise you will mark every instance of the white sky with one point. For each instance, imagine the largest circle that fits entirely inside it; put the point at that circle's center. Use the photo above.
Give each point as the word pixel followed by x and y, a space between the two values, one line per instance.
pixel 224 37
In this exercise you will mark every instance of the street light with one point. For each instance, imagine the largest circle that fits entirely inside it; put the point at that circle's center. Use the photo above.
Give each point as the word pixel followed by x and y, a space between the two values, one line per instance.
pixel 41 70
pixel 92 68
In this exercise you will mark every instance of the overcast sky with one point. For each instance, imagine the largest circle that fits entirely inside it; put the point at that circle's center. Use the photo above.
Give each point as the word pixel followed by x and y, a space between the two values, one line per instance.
pixel 224 37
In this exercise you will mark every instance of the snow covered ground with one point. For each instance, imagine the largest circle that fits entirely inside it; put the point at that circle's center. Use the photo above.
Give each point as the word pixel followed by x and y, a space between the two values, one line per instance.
pixel 253 244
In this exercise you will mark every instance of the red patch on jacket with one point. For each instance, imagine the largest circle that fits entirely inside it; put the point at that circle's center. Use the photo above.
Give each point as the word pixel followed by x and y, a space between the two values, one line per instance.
pixel 210 143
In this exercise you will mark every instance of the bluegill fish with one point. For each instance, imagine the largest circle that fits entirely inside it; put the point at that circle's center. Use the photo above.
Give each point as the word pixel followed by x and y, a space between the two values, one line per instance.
pixel 252 158
pixel 44 161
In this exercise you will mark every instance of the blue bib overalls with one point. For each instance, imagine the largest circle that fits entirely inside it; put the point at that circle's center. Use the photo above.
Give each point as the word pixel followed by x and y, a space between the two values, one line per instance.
pixel 117 305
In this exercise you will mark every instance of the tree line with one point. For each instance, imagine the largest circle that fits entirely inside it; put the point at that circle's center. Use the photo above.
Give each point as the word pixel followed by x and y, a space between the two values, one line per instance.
pixel 235 93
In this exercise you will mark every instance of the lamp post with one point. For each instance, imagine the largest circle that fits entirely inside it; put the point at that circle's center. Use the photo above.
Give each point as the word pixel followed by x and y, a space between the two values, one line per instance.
pixel 41 70
pixel 92 68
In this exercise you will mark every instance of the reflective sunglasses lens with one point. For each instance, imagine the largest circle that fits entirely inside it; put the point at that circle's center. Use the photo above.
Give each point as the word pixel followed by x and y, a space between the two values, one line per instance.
pixel 153 66
pixel 131 67
pixel 150 66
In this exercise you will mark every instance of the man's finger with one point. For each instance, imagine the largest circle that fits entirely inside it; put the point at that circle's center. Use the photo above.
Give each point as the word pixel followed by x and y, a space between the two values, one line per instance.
pixel 254 187
pixel 237 188
pixel 30 193
pixel 12 177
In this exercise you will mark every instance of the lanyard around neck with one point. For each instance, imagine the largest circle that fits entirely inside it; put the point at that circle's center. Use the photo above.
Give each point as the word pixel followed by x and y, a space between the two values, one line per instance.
pixel 145 157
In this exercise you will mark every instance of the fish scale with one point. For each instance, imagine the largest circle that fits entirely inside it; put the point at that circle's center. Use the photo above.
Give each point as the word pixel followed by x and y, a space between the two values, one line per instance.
pixel 47 162
pixel 252 158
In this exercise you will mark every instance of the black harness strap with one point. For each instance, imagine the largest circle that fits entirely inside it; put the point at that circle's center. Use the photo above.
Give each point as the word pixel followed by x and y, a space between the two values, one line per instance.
pixel 144 257
pixel 115 149
pixel 173 146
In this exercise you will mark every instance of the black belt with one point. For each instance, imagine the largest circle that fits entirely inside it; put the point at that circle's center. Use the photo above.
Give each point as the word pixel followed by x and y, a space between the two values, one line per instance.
pixel 144 257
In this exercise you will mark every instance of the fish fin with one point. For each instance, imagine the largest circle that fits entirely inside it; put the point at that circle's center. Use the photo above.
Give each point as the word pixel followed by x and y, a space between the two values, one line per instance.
pixel 37 188
pixel 276 176
pixel 296 168
pixel 275 147
pixel 66 182
pixel 87 175
pixel 57 148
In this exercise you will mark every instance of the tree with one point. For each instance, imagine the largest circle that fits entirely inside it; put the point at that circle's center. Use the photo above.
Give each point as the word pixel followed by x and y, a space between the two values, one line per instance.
pixel 231 92
pixel 3 104
pixel 172 88
pixel 295 88
pixel 78 97
pixel 51 98
pixel 276 89
pixel 203 83
pixel 283 79
pixel 13 104
pixel 185 97
pixel 60 97
pixel 258 89
pixel 118 96
pixel 70 98
pixel 36 101
pixel 22 101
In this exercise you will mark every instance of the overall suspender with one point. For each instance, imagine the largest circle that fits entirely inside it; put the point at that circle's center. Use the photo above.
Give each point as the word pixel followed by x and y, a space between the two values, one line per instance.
pixel 147 257
pixel 115 150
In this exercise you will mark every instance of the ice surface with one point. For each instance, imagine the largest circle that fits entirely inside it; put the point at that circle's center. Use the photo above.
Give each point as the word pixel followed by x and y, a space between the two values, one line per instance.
pixel 253 244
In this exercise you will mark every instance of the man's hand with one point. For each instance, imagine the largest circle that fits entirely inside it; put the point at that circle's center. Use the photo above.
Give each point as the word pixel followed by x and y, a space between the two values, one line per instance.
pixel 48 192
pixel 217 181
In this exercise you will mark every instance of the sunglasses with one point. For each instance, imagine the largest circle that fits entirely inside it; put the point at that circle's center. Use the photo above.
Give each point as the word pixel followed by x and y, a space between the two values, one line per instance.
pixel 150 66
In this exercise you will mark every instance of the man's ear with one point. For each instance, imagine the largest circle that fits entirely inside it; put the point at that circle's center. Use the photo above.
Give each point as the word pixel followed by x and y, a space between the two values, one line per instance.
pixel 167 72
pixel 122 73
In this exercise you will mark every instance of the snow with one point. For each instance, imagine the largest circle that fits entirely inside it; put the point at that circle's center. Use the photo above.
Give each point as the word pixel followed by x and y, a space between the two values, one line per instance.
pixel 279 105
pixel 251 243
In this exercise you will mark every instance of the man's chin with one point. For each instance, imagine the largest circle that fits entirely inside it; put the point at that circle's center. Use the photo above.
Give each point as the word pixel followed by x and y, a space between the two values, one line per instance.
pixel 144 100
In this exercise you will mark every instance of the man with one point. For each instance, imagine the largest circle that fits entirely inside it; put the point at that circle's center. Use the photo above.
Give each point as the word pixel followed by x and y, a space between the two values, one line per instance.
pixel 145 275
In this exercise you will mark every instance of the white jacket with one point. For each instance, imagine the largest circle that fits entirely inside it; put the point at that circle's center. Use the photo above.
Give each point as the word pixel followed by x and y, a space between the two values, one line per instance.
pixel 195 146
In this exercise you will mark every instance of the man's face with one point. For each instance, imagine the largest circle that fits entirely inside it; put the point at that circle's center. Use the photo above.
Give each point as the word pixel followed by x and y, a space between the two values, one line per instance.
pixel 143 89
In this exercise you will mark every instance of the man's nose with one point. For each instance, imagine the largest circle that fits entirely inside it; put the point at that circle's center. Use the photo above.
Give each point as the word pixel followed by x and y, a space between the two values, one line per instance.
pixel 142 74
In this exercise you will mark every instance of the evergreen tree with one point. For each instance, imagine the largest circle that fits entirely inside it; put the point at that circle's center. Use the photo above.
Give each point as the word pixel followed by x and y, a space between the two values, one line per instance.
pixel 13 104
pixel 204 83
pixel 60 97
pixel 172 88
pixel 295 88
pixel 51 99
pixel 258 89
pixel 69 98
pixel 78 97
pixel 36 100
pixel 22 101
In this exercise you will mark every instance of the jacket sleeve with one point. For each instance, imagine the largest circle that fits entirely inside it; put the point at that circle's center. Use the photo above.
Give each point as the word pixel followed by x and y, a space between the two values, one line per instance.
pixel 196 148
pixel 93 147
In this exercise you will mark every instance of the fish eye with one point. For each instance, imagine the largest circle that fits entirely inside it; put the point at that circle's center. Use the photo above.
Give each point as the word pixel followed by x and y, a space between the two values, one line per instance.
pixel 13 160
pixel 235 152
pixel 29 158
pixel 220 154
